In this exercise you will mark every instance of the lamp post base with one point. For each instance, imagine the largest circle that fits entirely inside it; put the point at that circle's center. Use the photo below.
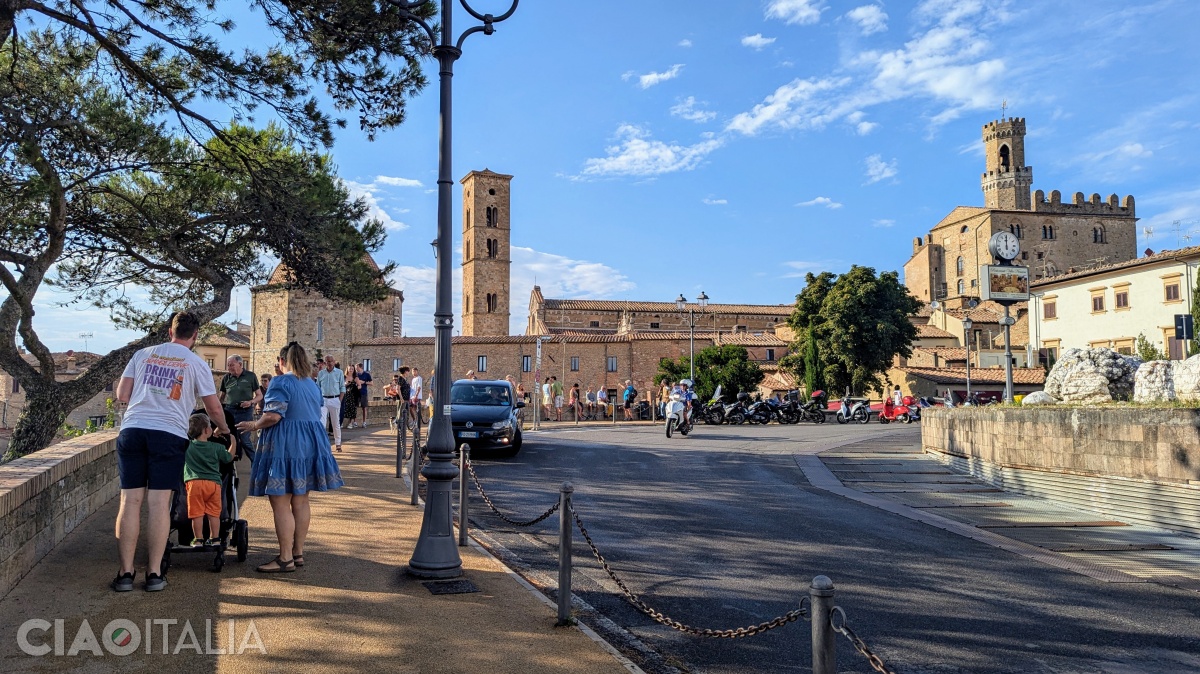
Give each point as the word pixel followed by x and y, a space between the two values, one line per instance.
pixel 436 553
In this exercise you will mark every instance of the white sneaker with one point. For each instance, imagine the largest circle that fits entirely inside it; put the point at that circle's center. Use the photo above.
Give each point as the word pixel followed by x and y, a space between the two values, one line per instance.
pixel 364 424
pixel 352 425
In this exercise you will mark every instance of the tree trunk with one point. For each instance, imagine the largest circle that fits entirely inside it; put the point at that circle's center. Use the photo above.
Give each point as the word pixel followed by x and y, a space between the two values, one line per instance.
pixel 39 423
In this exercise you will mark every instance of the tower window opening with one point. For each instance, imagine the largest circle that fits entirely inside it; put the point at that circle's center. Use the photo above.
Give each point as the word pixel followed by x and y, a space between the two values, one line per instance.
pixel 1047 231
pixel 960 266
pixel 1098 235
pixel 493 215
pixel 493 302
pixel 1015 229
pixel 1004 164
pixel 962 287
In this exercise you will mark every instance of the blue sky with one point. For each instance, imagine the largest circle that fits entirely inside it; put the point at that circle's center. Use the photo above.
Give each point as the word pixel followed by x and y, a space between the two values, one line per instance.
pixel 674 146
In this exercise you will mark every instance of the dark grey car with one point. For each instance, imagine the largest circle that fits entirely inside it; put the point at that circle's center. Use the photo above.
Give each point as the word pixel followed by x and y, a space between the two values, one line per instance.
pixel 484 415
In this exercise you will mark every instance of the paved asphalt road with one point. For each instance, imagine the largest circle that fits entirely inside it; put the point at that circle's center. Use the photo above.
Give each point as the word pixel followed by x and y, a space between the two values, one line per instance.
pixel 722 530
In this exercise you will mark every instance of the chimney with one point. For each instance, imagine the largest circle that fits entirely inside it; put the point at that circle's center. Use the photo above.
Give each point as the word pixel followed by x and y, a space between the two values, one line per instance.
pixel 71 369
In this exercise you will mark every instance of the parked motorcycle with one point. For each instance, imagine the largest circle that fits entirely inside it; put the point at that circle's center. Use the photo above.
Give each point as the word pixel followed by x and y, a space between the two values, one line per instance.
pixel 787 411
pixel 676 419
pixel 760 412
pixel 854 409
pixel 713 413
pixel 735 413
pixel 814 409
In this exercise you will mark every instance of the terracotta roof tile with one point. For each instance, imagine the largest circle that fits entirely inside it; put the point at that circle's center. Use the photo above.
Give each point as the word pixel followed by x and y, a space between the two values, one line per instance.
pixel 1193 251
pixel 931 331
pixel 946 352
pixel 726 338
pixel 667 307
pixel 984 375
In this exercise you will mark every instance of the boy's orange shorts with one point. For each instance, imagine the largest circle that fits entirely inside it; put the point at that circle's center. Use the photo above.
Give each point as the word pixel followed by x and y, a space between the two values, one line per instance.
pixel 203 498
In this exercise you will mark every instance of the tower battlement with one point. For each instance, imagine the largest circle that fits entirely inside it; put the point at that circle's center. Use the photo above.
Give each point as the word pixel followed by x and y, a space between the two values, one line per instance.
pixel 1082 206
pixel 1005 127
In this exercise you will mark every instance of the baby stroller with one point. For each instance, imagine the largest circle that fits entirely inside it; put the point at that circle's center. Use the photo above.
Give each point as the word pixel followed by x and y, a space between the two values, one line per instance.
pixel 234 531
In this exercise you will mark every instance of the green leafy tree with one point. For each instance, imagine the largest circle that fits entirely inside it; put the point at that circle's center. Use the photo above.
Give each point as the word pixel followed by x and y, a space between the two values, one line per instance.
pixel 851 327
pixel 726 365
pixel 1146 350
pixel 813 379
pixel 99 196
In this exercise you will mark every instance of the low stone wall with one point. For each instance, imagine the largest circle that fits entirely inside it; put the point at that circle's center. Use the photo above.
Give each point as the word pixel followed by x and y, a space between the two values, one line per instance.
pixel 47 494
pixel 1138 464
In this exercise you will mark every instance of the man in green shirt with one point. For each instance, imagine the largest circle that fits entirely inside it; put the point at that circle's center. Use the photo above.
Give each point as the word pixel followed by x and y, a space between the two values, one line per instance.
pixel 556 391
pixel 239 393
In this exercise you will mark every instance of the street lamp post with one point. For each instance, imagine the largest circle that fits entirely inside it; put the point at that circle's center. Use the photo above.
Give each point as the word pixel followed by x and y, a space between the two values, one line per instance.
pixel 681 303
pixel 967 341
pixel 436 552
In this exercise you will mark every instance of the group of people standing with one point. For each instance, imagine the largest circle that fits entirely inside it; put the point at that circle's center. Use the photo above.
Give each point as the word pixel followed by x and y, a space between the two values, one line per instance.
pixel 344 396
pixel 293 456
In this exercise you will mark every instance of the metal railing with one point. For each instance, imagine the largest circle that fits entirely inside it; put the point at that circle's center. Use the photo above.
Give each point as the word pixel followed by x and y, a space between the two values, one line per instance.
pixel 827 619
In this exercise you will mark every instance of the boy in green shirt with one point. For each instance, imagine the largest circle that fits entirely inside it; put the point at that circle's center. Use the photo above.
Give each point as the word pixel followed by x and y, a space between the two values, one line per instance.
pixel 202 477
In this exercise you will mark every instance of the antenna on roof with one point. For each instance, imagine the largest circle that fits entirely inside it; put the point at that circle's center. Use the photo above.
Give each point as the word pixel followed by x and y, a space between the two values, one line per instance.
pixel 1176 225
pixel 1003 107
pixel 1148 232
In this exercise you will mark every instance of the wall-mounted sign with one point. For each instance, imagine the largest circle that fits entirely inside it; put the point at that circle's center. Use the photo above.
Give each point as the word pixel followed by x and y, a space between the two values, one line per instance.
pixel 1004 283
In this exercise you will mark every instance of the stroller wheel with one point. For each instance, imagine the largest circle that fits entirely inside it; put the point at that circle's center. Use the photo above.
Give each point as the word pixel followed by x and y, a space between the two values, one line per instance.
pixel 218 563
pixel 241 539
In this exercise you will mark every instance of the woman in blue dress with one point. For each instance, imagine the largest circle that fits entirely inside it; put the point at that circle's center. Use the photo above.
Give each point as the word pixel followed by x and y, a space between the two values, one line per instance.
pixel 293 456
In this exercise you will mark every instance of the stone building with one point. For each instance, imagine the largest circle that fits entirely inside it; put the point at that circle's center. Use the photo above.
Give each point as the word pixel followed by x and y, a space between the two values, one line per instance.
pixel 216 348
pixel 281 313
pixel 68 365
pixel 554 316
pixel 487 253
pixel 1056 237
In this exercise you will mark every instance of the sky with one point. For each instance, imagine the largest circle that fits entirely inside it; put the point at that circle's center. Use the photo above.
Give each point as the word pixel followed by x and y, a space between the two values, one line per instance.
pixel 669 147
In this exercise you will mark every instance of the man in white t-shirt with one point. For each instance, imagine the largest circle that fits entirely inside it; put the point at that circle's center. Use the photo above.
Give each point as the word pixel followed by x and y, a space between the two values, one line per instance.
pixel 161 384
pixel 417 386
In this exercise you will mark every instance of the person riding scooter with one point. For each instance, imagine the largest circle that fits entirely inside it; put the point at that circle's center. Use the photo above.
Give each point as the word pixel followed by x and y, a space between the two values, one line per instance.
pixel 686 396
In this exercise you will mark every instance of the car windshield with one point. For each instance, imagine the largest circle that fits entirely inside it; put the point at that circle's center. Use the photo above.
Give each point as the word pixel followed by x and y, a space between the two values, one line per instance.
pixel 479 394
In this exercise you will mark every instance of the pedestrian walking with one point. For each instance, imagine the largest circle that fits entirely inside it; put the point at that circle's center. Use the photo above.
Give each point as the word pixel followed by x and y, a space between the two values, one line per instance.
pixel 576 404
pixel 239 393
pixel 294 457
pixel 556 390
pixel 547 399
pixel 628 397
pixel 364 393
pixel 350 400
pixel 160 384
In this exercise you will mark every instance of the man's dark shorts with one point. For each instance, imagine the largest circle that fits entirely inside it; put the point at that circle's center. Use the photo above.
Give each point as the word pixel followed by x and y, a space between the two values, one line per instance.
pixel 147 458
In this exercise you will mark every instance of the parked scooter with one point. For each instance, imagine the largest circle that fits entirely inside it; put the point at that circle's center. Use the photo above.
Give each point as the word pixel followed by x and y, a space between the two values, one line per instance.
pixel 736 413
pixel 760 412
pixel 713 413
pixel 892 412
pixel 814 409
pixel 854 409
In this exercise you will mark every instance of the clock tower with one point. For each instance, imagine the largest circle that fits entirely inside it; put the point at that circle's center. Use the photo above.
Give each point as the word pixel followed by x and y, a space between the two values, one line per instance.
pixel 1007 180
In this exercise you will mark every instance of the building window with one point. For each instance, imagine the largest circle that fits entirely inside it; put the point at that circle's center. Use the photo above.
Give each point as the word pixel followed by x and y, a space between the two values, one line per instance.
pixel 493 302
pixel 1171 291
pixel 574 363
pixel 108 387
pixel 1041 255
pixel 771 355
pixel 366 364
pixel 1015 229
pixel 210 362
pixel 1121 299
pixel 492 245
pixel 1050 310
pixel 320 329
pixel 1024 255
pixel 739 328
pixel 493 216
pixel 960 266
pixel 481 366
pixel 396 363
pixel 1047 231
pixel 374 329
pixel 594 324
pixel 964 229
pixel 526 363
pixel 962 287
pixel 467 220
pixel 1097 303
pixel 611 365
pixel 16 386
pixel 268 331
pixel 654 326
pixel 974 282
pixel 1098 235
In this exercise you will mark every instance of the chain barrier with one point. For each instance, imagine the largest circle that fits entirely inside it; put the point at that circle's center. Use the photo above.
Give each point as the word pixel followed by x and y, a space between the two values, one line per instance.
pixel 859 645
pixel 553 509
pixel 790 616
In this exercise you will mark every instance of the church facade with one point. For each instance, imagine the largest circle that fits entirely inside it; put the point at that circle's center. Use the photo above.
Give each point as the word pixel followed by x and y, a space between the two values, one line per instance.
pixel 1056 237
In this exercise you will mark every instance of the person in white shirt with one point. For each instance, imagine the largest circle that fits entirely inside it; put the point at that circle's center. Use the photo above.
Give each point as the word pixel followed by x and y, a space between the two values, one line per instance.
pixel 161 384
pixel 332 382
pixel 418 391
pixel 602 400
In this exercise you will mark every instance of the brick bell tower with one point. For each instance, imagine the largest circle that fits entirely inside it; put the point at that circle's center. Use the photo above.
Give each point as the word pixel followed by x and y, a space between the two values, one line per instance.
pixel 1007 180
pixel 486 254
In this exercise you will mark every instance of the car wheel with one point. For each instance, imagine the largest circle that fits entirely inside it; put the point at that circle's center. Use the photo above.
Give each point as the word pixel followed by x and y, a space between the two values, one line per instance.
pixel 515 447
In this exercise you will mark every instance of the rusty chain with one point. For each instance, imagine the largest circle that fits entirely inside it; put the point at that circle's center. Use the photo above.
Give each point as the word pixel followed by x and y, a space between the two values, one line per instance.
pixel 553 509
pixel 658 617
pixel 859 645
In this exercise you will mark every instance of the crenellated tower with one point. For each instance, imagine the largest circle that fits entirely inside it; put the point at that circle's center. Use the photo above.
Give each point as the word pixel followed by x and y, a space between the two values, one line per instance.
pixel 486 253
pixel 1007 180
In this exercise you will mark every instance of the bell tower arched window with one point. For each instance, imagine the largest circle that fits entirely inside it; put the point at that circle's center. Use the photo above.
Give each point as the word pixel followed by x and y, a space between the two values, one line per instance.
pixel 493 248
pixel 1098 235
pixel 492 302
pixel 493 216
pixel 1015 230
pixel 1004 159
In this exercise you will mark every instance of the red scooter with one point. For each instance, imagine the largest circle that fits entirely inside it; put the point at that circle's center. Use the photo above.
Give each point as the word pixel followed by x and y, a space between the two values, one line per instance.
pixel 893 412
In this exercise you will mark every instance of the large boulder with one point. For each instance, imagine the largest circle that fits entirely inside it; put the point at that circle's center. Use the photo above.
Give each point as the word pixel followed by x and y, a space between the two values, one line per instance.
pixel 1038 398
pixel 1187 378
pixel 1092 375
pixel 1154 382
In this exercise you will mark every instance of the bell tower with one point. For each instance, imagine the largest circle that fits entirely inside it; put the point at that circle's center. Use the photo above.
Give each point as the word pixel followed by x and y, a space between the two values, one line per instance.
pixel 1007 180
pixel 486 254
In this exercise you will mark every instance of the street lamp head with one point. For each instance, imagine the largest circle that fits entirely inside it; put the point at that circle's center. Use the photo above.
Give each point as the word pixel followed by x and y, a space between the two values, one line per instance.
pixel 434 244
pixel 680 302
pixel 702 299
pixel 967 324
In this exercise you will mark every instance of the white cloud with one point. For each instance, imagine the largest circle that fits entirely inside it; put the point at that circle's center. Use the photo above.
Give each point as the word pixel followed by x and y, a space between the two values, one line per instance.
pixel 757 41
pixel 685 43
pixel 883 222
pixel 398 182
pixel 636 154
pixel 650 79
pixel 795 11
pixel 863 128
pixel 798 268
pixel 714 202
pixel 369 192
pixel 686 109
pixel 821 201
pixel 871 19
pixel 795 105
pixel 878 169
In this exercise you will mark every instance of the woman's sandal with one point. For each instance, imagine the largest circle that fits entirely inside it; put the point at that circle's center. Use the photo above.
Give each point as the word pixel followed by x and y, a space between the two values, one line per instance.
pixel 281 566
pixel 299 560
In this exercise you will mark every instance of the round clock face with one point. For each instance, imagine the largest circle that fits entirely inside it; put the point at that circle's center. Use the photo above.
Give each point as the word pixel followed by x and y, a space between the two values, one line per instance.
pixel 1005 245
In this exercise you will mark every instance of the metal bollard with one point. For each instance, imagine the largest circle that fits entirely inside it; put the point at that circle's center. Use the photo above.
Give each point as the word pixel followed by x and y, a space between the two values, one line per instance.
pixel 464 458
pixel 414 468
pixel 824 657
pixel 564 554
pixel 401 441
